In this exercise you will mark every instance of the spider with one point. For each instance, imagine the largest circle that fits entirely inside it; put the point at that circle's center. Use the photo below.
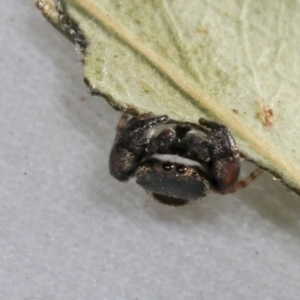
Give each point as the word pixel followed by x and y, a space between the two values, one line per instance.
pixel 214 161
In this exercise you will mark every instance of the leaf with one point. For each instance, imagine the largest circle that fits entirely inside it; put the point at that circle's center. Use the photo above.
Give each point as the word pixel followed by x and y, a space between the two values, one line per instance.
pixel 236 62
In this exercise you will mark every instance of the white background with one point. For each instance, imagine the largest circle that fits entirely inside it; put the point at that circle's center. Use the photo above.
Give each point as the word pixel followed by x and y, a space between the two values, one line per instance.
pixel 70 231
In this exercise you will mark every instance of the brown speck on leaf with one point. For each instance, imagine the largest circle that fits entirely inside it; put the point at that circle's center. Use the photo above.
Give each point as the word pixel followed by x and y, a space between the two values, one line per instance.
pixel 235 111
pixel 265 114
pixel 202 30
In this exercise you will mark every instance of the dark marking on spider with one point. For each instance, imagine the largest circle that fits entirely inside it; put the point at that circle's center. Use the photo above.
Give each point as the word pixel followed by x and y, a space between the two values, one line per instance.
pixel 215 159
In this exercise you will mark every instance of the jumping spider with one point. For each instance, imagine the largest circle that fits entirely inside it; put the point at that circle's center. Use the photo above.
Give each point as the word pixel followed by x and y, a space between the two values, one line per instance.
pixel 215 157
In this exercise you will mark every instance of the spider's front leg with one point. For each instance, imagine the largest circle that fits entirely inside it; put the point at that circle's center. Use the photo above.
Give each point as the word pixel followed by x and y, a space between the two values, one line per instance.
pixel 130 146
pixel 216 152
pixel 225 157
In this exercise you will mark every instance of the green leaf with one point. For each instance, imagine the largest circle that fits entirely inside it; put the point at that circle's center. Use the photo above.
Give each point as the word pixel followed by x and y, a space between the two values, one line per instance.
pixel 236 62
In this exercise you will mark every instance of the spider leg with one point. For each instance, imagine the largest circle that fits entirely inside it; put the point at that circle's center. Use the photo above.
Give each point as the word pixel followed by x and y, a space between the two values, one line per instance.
pixel 130 146
pixel 211 125
pixel 122 122
pixel 143 120
pixel 166 142
pixel 242 183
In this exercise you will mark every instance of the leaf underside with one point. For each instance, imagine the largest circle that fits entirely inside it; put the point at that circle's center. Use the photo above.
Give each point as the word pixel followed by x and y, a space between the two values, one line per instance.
pixel 235 62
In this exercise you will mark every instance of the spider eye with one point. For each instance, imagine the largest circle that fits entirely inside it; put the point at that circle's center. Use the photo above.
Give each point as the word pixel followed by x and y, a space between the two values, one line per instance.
pixel 167 167
pixel 181 169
